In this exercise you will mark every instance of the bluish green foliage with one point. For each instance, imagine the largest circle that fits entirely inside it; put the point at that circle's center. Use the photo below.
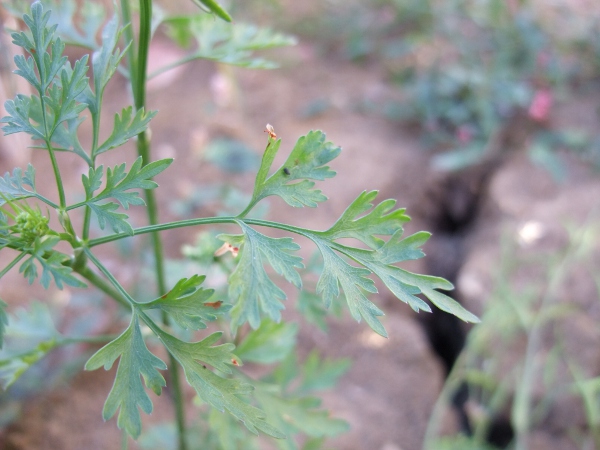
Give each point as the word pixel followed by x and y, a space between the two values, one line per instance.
pixel 127 393
pixel 187 303
pixel 119 185
pixel 13 186
pixel 250 288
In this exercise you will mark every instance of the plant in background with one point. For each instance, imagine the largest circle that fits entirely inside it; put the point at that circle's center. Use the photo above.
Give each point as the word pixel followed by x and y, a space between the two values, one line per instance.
pixel 524 362
pixel 67 255
pixel 482 64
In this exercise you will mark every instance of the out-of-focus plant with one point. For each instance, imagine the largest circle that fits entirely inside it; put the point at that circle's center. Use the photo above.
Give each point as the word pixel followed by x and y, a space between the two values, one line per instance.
pixel 520 363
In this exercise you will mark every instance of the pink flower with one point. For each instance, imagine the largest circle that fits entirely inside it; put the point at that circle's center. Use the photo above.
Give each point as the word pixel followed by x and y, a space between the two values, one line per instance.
pixel 540 106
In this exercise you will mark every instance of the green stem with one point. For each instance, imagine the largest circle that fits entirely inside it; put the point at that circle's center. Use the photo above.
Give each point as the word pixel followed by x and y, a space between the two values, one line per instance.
pixel 101 284
pixel 197 222
pixel 12 264
pixel 139 72
pixel 59 184
pixel 120 291
pixel 46 201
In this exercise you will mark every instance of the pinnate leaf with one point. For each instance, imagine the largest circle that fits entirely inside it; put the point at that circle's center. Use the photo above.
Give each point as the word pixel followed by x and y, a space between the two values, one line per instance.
pixel 20 110
pixel 52 263
pixel 221 393
pixel 13 186
pixel 128 394
pixel 187 303
pixel 126 126
pixel 119 185
pixel 106 213
pixel 250 288
pixel 307 161
pixel 382 220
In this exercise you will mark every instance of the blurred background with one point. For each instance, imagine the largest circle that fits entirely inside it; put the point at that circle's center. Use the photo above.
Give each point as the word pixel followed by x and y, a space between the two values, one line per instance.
pixel 479 116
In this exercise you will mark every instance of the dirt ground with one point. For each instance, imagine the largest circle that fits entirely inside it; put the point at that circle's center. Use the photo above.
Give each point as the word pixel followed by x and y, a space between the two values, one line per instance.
pixel 389 394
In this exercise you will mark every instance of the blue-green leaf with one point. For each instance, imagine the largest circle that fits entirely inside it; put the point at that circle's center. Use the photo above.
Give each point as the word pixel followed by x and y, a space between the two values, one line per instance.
pixel 126 127
pixel 18 120
pixel 382 220
pixel 106 214
pixel 52 263
pixel 307 161
pixel 250 288
pixel 128 393
pixel 187 303
pixel 13 186
pixel 221 393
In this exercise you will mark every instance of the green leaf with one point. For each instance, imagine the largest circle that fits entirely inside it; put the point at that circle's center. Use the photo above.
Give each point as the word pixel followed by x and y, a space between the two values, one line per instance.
pixel 354 281
pixel 106 214
pixel 42 36
pixel 215 8
pixel 118 182
pixel 118 186
pixel 128 393
pixel 20 110
pixel 62 96
pixel 126 127
pixel 306 162
pixel 187 303
pixel 221 393
pixel 270 342
pixel 65 138
pixel 106 59
pixel 13 186
pixel 225 42
pixel 403 284
pixel 52 263
pixel 380 221
pixel 380 260
pixel 250 288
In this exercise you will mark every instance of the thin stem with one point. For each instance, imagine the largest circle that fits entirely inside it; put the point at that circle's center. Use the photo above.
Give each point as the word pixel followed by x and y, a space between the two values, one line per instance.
pixel 197 222
pixel 57 176
pixel 46 201
pixel 143 146
pixel 120 289
pixel 101 284
pixel 12 264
